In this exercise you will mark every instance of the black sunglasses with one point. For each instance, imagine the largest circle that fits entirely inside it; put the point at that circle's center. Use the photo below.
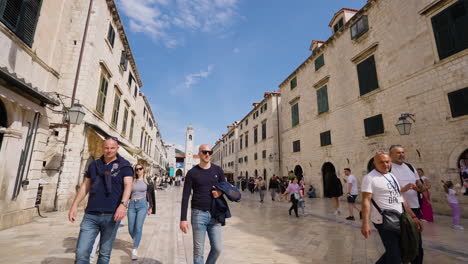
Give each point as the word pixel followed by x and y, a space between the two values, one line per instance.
pixel 113 138
pixel 207 152
pixel 138 169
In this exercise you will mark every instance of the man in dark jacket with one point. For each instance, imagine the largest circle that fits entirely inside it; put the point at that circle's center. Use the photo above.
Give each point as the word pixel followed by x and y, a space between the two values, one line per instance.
pixel 200 181
pixel 108 181
pixel 273 186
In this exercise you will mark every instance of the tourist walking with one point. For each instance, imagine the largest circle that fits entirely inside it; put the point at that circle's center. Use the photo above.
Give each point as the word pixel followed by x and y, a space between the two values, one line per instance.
pixel 273 186
pixel 108 181
pixel 452 193
pixel 336 190
pixel 141 204
pixel 411 185
pixel 352 194
pixel 425 198
pixel 293 191
pixel 201 181
pixel 260 185
pixel 380 189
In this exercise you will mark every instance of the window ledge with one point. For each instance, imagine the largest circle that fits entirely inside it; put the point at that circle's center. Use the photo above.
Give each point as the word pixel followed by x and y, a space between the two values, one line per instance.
pixel 109 45
pixel 376 136
pixel 458 118
pixel 361 37
pixel 327 146
pixel 371 93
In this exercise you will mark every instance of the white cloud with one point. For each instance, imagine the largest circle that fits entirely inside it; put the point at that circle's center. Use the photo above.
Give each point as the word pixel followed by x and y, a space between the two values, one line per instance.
pixel 190 80
pixel 162 19
pixel 236 50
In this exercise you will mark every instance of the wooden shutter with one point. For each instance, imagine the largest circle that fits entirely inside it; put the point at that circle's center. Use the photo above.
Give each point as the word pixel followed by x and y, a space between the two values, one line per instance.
pixel 443 36
pixel 29 17
pixel 124 60
pixel 293 83
pixel 319 62
pixel 11 13
pixel 322 100
pixel 458 101
pixel 111 35
pixel 367 76
pixel 295 114
pixel 373 125
pixel 325 138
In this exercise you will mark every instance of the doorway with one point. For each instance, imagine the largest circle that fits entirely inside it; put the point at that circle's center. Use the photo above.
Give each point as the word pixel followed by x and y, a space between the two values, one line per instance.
pixel 370 165
pixel 298 172
pixel 328 174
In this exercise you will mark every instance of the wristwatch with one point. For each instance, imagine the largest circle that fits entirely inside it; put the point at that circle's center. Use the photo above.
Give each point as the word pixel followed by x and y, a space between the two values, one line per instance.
pixel 124 203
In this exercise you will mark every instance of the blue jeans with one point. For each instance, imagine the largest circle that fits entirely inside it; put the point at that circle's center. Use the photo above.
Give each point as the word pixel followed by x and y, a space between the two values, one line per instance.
pixel 90 227
pixel 136 214
pixel 201 224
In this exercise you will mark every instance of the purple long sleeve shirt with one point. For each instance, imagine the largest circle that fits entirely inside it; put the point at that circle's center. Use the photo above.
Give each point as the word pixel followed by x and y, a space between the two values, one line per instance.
pixel 293 188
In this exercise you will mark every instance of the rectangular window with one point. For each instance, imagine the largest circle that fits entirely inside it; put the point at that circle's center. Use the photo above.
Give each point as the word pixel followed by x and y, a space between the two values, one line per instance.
pixel 450 29
pixel 374 125
pixel 21 17
pixel 102 94
pixel 338 25
pixel 458 101
pixel 367 75
pixel 246 140
pixel 141 139
pixel 135 93
pixel 265 106
pixel 360 27
pixel 297 146
pixel 245 159
pixel 319 62
pixel 293 83
pixel 264 154
pixel 264 130
pixel 130 78
pixel 124 123
pixel 115 111
pixel 322 100
pixel 111 35
pixel 123 60
pixel 246 122
pixel 325 138
pixel 132 125
pixel 240 142
pixel 255 135
pixel 255 156
pixel 295 114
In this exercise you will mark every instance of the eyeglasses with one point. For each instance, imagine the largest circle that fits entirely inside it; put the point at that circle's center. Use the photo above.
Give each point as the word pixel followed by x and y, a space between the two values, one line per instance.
pixel 138 169
pixel 207 152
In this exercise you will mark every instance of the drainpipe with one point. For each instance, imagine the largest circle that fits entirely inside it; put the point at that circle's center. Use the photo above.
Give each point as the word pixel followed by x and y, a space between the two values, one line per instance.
pixel 279 136
pixel 75 86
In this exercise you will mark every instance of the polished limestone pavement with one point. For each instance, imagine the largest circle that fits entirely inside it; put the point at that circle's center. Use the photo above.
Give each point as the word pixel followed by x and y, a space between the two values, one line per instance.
pixel 257 233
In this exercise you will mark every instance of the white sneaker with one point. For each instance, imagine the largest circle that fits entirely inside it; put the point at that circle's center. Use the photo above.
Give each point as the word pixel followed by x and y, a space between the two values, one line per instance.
pixel 134 254
pixel 458 227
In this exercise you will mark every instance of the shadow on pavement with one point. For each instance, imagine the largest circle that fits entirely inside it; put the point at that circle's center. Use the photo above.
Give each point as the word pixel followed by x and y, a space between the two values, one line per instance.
pixel 69 244
pixel 54 260
pixel 140 261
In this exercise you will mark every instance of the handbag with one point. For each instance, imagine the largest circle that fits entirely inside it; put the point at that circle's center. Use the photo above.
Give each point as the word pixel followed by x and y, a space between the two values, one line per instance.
pixel 391 219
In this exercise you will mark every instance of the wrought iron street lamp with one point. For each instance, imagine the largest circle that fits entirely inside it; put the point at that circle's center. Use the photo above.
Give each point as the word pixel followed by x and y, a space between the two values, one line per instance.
pixel 75 114
pixel 403 125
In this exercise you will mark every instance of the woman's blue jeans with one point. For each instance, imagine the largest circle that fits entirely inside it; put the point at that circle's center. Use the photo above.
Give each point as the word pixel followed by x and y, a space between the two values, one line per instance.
pixel 202 223
pixel 137 210
pixel 90 227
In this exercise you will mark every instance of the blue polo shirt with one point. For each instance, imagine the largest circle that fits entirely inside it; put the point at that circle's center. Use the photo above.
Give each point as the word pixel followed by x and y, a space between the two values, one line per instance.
pixel 99 200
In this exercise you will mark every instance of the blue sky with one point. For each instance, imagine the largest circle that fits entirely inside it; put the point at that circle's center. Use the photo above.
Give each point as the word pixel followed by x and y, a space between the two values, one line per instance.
pixel 204 62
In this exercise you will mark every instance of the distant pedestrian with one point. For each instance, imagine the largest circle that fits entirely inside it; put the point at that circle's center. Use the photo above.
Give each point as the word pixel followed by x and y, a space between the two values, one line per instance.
pixel 311 192
pixel 261 187
pixel 352 194
pixel 381 189
pixel 141 204
pixel 452 193
pixel 108 181
pixel 301 202
pixel 425 198
pixel 273 186
pixel 293 191
pixel 201 181
pixel 251 185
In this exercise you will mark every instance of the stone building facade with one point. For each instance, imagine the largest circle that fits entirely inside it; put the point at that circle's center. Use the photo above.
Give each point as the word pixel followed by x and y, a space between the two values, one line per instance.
pixel 341 104
pixel 40 66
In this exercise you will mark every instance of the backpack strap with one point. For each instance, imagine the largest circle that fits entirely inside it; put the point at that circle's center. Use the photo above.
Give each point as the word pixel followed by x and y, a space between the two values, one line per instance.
pixel 376 206
pixel 410 167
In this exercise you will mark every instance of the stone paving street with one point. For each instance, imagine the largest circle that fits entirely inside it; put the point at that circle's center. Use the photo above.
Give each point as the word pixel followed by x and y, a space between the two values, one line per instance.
pixel 257 233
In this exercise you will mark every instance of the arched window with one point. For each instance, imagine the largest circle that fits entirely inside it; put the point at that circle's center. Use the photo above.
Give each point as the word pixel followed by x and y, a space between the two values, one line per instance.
pixel 190 137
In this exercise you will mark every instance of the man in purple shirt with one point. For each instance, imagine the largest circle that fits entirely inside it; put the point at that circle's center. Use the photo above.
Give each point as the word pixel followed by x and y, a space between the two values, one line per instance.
pixel 200 180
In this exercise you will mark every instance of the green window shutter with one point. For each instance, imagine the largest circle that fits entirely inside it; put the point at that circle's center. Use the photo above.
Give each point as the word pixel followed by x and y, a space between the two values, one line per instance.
pixel 10 11
pixel 319 62
pixel 458 101
pixel 374 125
pixel 124 60
pixel 367 75
pixel 295 114
pixel 293 83
pixel 322 100
pixel 29 16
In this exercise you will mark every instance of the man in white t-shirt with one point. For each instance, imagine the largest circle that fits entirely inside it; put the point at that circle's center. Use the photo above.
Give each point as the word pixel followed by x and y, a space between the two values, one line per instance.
pixel 408 178
pixel 352 194
pixel 382 187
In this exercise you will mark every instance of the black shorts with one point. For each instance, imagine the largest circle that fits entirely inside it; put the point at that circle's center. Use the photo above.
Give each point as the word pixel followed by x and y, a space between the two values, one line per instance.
pixel 352 198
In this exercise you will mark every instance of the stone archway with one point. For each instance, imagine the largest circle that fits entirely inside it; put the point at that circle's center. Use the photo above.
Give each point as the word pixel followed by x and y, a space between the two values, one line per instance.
pixel 256 173
pixel 298 172
pixel 179 172
pixel 328 174
pixel 462 159
pixel 264 174
pixel 3 120
pixel 370 165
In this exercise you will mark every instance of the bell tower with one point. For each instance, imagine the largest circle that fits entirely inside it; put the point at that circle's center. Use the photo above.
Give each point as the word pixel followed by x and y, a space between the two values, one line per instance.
pixel 188 149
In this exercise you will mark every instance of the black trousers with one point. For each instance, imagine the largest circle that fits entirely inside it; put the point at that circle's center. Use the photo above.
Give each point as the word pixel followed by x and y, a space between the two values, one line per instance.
pixel 419 258
pixel 294 205
pixel 391 242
